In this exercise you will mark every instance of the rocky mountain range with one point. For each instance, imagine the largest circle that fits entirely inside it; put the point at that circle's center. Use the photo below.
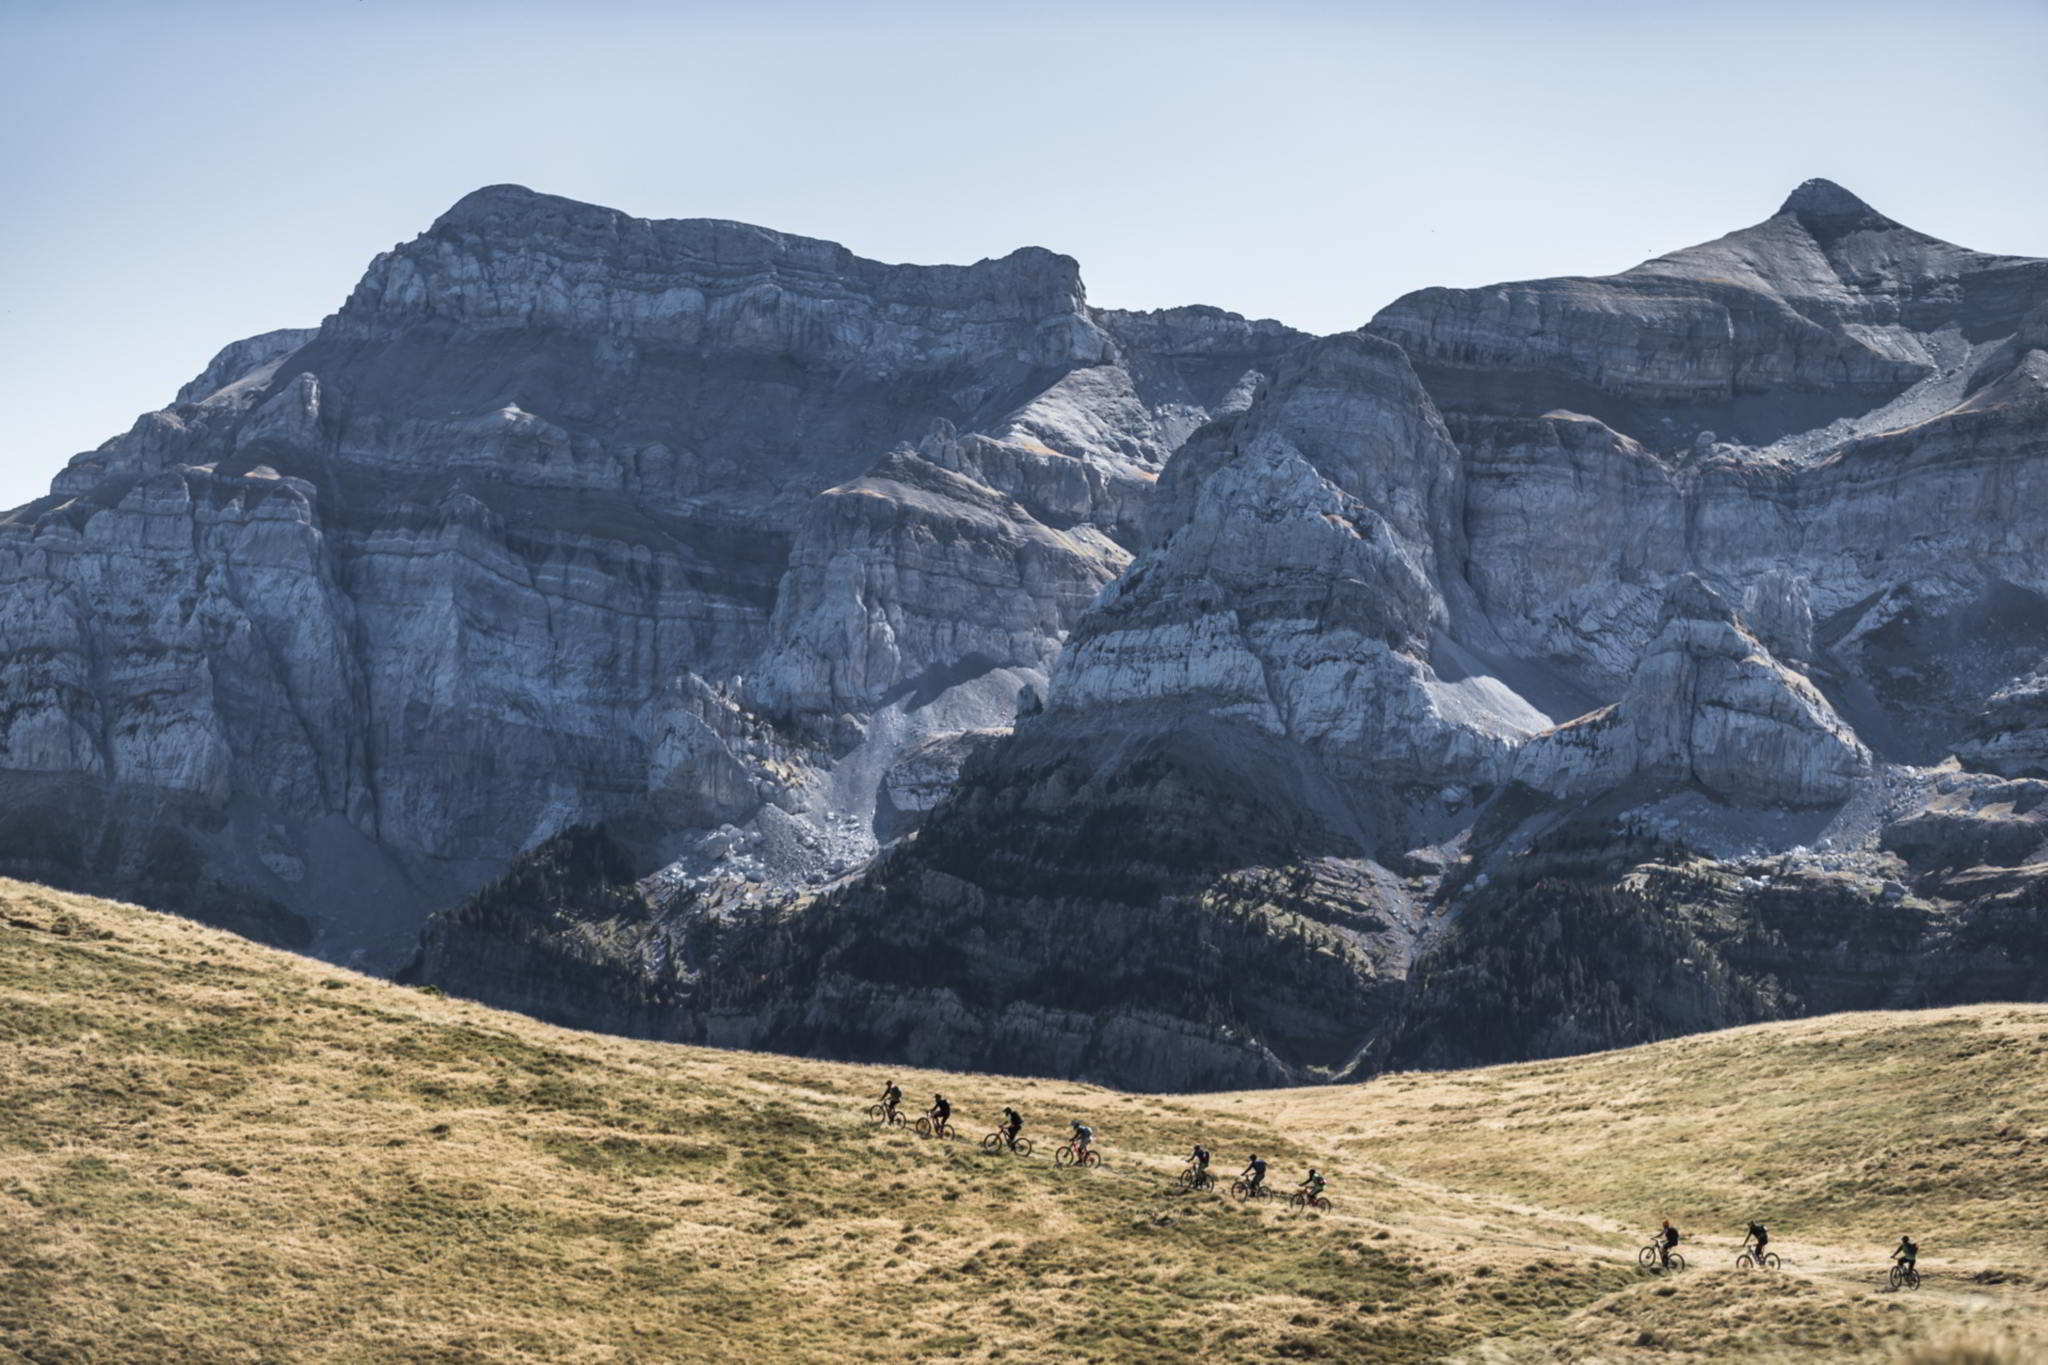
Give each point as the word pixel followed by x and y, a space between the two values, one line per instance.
pixel 739 641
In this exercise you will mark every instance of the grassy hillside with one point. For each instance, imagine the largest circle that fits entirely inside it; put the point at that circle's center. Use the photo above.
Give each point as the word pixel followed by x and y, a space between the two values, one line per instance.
pixel 215 1152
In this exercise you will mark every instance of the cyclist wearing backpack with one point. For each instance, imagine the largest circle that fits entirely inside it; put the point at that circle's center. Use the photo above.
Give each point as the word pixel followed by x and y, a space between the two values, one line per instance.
pixel 1666 1240
pixel 1013 1123
pixel 1314 1185
pixel 1254 1175
pixel 892 1095
pixel 1906 1253
pixel 1759 1238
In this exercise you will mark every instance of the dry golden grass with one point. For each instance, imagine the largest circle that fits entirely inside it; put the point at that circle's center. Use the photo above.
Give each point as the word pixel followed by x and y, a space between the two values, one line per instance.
pixel 215 1152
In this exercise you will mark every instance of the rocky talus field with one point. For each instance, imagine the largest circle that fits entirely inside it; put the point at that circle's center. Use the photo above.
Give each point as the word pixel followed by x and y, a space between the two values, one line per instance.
pixel 218 1153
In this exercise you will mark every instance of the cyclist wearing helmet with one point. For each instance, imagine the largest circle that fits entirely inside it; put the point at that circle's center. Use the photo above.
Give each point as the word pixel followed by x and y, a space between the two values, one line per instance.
pixel 1667 1238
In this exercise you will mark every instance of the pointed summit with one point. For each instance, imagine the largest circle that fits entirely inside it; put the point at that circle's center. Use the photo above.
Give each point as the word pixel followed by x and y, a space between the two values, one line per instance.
pixel 1828 209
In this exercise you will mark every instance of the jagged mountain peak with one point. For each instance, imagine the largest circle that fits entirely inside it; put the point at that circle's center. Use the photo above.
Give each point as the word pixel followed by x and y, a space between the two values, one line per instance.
pixel 1826 203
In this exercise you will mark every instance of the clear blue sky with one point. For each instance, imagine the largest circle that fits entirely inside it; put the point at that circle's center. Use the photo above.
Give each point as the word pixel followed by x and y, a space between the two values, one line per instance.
pixel 182 174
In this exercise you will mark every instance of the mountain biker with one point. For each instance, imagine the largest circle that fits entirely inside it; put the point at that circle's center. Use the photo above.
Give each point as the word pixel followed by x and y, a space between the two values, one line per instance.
pixel 1083 1135
pixel 1013 1123
pixel 1254 1174
pixel 1760 1238
pixel 1314 1185
pixel 1907 1252
pixel 941 1110
pixel 1666 1239
pixel 1199 1159
pixel 892 1095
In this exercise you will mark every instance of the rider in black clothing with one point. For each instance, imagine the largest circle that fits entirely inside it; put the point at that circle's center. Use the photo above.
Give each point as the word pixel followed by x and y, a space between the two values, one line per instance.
pixel 1013 1123
pixel 1666 1240
pixel 1760 1237
pixel 1255 1172
pixel 1907 1253
pixel 892 1095
pixel 941 1110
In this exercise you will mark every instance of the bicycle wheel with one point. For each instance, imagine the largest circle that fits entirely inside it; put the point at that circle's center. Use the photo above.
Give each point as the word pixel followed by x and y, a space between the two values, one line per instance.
pixel 1745 1262
pixel 1091 1157
pixel 1300 1200
pixel 1186 1179
pixel 1677 1262
pixel 924 1127
pixel 1647 1258
pixel 992 1143
pixel 1240 1189
pixel 878 1112
pixel 1771 1261
pixel 1022 1146
pixel 1912 1279
pixel 1897 1277
pixel 1322 1204
pixel 1064 1156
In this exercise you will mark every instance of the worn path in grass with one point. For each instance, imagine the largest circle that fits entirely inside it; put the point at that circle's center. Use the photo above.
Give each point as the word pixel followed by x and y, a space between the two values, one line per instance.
pixel 215 1152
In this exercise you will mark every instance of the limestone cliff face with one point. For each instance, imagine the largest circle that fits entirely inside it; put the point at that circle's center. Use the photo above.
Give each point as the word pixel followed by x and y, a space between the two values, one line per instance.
pixel 571 516
pixel 1709 707
pixel 1543 667
pixel 916 662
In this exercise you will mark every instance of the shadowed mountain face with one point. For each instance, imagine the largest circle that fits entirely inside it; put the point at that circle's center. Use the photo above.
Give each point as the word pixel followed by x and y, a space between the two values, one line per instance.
pixel 925 665
pixel 571 516
pixel 1543 667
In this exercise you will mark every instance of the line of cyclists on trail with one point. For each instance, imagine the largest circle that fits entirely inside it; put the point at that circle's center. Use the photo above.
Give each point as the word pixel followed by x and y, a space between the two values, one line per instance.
pixel 1080 1149
pixel 1660 1254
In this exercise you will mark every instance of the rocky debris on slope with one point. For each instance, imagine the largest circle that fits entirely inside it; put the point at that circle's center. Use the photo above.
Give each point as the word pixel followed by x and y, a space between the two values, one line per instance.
pixel 570 516
pixel 1207 678
pixel 1362 599
pixel 1139 963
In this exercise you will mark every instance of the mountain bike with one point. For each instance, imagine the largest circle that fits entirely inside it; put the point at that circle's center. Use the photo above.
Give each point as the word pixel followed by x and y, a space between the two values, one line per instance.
pixel 1746 1261
pixel 883 1114
pixel 1651 1258
pixel 929 1127
pixel 1244 1189
pixel 1304 1200
pixel 1068 1156
pixel 994 1143
pixel 1904 1277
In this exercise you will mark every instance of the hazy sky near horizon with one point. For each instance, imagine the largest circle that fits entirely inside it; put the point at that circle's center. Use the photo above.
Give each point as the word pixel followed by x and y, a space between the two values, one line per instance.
pixel 181 175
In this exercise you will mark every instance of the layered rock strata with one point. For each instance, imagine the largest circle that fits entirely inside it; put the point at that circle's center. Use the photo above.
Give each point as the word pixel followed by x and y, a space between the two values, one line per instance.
pixel 1611 644
pixel 571 516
